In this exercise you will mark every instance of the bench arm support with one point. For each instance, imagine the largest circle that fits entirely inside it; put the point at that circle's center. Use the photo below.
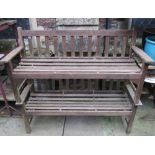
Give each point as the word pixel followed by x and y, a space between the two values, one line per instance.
pixel 143 56
pixel 11 55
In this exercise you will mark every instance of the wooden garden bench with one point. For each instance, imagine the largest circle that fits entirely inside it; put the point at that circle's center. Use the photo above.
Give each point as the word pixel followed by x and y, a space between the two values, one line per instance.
pixel 98 72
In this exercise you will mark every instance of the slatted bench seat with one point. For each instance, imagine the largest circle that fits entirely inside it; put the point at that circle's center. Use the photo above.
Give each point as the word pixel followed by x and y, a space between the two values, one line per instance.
pixel 78 58
pixel 95 68
pixel 100 103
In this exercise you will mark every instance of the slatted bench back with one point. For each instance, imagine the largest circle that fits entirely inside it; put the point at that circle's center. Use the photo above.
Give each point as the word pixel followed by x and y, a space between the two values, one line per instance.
pixel 77 43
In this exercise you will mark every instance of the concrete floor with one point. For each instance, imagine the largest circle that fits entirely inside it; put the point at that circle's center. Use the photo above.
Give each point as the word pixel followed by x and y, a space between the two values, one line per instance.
pixel 81 126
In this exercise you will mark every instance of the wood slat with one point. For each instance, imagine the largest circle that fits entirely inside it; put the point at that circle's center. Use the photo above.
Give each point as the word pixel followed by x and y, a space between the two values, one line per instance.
pixel 72 46
pixel 115 46
pixel 38 45
pixel 76 32
pixel 24 64
pixel 77 60
pixel 47 43
pixel 81 46
pixel 76 104
pixel 97 45
pixel 64 46
pixel 89 46
pixel 55 39
pixel 42 74
pixel 106 46
pixel 124 43
pixel 79 99
pixel 30 45
pixel 79 68
pixel 84 108
pixel 78 95
pixel 80 91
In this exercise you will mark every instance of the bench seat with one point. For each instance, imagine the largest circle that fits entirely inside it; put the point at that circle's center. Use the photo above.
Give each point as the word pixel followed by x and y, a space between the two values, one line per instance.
pixel 101 103
pixel 77 68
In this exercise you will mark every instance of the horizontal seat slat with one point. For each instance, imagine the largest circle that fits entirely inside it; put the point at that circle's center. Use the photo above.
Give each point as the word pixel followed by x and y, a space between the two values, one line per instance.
pixel 118 102
pixel 79 99
pixel 76 60
pixel 76 104
pixel 70 92
pixel 22 64
pixel 78 113
pixel 83 108
pixel 96 70
pixel 77 95
pixel 75 75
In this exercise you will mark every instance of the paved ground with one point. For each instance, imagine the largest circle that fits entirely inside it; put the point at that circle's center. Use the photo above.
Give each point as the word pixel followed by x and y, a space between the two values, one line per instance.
pixel 81 126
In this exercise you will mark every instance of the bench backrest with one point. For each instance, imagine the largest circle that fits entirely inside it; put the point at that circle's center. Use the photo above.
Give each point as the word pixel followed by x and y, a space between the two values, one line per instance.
pixel 77 43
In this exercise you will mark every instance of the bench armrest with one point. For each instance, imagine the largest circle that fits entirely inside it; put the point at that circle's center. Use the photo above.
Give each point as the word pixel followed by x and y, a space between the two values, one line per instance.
pixel 11 55
pixel 144 57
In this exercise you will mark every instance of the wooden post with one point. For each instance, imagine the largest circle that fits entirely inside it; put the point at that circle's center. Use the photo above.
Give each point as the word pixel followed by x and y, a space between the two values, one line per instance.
pixel 13 82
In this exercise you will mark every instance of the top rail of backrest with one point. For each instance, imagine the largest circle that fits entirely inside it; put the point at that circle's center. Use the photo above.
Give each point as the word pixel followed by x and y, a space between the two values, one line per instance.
pixel 49 33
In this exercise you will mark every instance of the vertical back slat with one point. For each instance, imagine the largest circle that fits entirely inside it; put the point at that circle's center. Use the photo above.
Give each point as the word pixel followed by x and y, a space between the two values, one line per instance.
pixel 106 46
pixel 55 39
pixel 115 46
pixel 89 46
pixel 38 45
pixel 64 46
pixel 72 46
pixel 124 39
pixel 20 39
pixel 97 45
pixel 133 41
pixel 47 43
pixel 30 45
pixel 81 46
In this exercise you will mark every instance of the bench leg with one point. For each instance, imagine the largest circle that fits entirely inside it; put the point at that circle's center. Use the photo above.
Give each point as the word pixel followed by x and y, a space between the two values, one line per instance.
pixel 27 124
pixel 131 119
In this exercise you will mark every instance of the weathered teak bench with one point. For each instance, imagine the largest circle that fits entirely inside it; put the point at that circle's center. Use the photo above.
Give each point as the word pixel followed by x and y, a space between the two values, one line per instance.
pixel 88 73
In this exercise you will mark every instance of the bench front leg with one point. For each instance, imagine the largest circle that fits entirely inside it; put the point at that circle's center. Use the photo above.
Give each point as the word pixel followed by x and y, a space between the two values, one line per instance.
pixel 9 68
